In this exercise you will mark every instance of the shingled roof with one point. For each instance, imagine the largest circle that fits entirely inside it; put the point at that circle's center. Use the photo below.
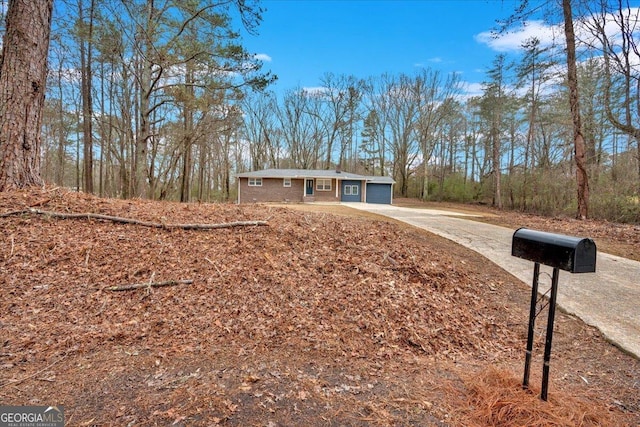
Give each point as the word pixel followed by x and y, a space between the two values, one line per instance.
pixel 314 173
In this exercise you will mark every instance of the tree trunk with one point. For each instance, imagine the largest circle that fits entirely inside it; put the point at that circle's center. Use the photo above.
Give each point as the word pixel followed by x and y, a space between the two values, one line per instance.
pixel 495 149
pixel 147 83
pixel 574 104
pixel 23 71
pixel 202 167
pixel 62 136
pixel 87 104
pixel 144 134
pixel 187 162
pixel 185 179
pixel 512 154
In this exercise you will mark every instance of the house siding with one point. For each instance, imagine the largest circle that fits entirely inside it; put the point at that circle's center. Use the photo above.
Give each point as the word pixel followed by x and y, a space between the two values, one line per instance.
pixel 272 190
pixel 348 197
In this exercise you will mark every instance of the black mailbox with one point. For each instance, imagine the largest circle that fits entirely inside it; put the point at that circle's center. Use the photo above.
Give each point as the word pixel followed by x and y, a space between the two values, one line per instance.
pixel 573 254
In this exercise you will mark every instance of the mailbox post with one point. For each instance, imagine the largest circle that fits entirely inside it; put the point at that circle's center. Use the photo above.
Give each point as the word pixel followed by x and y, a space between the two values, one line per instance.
pixel 573 254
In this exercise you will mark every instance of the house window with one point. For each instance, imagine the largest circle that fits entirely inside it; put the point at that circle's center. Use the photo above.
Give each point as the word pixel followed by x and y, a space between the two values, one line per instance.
pixel 323 184
pixel 286 182
pixel 350 190
pixel 255 182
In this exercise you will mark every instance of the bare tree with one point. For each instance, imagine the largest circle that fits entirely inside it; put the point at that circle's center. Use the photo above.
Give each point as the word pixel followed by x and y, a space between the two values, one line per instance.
pixel 260 129
pixel 434 97
pixel 302 128
pixel 340 97
pixel 614 27
pixel 403 95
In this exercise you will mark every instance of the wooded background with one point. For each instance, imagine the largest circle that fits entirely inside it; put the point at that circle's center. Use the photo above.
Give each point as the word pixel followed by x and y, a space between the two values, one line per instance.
pixel 160 100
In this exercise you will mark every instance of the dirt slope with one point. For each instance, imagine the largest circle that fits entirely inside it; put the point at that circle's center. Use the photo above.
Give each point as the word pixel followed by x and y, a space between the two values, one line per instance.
pixel 314 319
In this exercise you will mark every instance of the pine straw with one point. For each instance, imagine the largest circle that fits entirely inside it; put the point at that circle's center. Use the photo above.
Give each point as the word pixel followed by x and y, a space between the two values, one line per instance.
pixel 495 397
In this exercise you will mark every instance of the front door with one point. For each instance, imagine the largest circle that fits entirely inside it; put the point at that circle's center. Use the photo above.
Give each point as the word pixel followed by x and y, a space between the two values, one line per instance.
pixel 309 187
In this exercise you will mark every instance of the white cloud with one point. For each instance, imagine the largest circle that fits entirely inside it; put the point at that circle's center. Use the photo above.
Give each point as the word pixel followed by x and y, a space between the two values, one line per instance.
pixel 471 89
pixel 262 57
pixel 315 91
pixel 513 40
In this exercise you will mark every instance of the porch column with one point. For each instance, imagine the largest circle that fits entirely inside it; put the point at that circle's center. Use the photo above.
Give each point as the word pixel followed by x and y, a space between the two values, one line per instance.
pixel 363 197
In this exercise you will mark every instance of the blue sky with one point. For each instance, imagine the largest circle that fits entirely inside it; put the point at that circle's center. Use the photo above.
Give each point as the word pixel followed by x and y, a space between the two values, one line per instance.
pixel 300 40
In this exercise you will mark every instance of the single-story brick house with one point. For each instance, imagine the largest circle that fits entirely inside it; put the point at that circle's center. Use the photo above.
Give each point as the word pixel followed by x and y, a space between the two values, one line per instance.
pixel 302 185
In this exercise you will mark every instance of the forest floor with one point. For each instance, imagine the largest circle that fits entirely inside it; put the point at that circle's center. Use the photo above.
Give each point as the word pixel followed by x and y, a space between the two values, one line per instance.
pixel 317 318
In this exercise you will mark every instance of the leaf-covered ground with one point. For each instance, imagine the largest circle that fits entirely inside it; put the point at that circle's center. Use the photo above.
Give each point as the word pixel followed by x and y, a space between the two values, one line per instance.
pixel 314 319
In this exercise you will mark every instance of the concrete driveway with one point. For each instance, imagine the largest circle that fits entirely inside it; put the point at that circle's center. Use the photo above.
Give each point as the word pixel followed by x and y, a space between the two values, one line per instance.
pixel 608 299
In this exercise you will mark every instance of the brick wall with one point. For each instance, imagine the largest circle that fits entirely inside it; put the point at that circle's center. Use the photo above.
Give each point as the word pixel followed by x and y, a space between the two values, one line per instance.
pixel 326 196
pixel 272 190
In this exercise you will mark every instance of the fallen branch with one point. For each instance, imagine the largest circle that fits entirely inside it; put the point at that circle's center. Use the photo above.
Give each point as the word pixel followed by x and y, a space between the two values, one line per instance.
pixel 134 221
pixel 18 381
pixel 148 285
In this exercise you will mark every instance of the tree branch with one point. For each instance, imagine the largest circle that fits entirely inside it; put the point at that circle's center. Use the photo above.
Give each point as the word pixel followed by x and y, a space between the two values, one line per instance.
pixel 148 285
pixel 135 221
